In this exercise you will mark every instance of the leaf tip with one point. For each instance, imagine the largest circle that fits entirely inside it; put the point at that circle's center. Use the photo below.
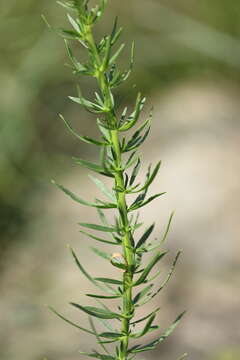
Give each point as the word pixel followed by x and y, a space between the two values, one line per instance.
pixel 45 21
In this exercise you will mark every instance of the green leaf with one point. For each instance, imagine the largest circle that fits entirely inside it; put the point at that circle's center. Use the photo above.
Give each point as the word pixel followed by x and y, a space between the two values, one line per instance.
pixel 133 118
pixel 68 5
pixel 96 334
pixel 83 202
pixel 147 327
pixel 135 172
pixel 131 160
pixel 117 53
pixel 136 226
pixel 104 131
pixel 149 267
pixel 135 140
pixel 101 253
pixel 167 229
pixel 168 276
pixel 121 77
pixel 140 140
pixel 85 273
pixel 145 236
pixel 94 167
pixel 151 248
pixel 118 264
pixel 46 22
pixel 145 317
pixel 102 187
pixel 110 335
pixel 103 297
pixel 140 204
pixel 167 332
pixel 99 10
pixel 107 324
pixel 123 116
pixel 69 34
pixel 98 239
pixel 105 222
pixel 107 51
pixel 97 312
pixel 98 227
pixel 155 276
pixel 89 105
pixel 114 30
pixel 150 178
pixel 86 139
pixel 142 293
pixel 109 281
pixel 70 322
pixel 73 23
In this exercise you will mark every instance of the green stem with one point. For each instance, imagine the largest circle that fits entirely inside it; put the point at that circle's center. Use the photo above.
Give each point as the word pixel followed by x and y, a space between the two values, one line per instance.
pixel 128 250
pixel 127 307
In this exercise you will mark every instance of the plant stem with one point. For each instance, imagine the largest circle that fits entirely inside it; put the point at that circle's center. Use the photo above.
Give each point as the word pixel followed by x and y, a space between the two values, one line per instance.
pixel 128 249
pixel 127 307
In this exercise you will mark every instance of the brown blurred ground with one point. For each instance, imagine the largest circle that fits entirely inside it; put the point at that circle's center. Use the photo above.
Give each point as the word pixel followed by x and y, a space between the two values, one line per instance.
pixel 188 65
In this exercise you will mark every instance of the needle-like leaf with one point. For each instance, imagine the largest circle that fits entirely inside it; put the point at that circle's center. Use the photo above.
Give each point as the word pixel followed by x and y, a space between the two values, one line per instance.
pixel 84 202
pixel 97 312
pixel 149 267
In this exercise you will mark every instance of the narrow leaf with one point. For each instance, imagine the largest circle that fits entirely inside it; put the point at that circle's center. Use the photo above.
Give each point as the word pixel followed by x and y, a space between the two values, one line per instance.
pixel 117 53
pixel 86 139
pixel 135 172
pixel 133 118
pixel 145 236
pixel 73 23
pixel 70 322
pixel 94 167
pixel 89 105
pixel 110 335
pixel 103 188
pixel 98 239
pixel 81 201
pixel 168 276
pixel 149 267
pixel 167 332
pixel 141 204
pixel 96 334
pixel 107 324
pixel 101 253
pixel 85 273
pixel 98 227
pixel 142 293
pixel 167 229
pixel 151 248
pixel 146 328
pixel 150 178
pixel 97 312
pixel 109 281
pixel 145 317
pixel 103 297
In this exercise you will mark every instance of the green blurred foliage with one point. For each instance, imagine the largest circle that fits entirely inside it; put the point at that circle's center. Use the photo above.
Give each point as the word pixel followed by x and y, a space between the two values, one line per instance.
pixel 229 354
pixel 175 40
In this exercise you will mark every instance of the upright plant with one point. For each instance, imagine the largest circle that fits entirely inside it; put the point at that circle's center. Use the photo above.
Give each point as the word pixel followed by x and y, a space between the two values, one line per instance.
pixel 120 162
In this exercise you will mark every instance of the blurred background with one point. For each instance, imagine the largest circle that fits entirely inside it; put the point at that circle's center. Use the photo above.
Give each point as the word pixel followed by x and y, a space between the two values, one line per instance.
pixel 188 65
